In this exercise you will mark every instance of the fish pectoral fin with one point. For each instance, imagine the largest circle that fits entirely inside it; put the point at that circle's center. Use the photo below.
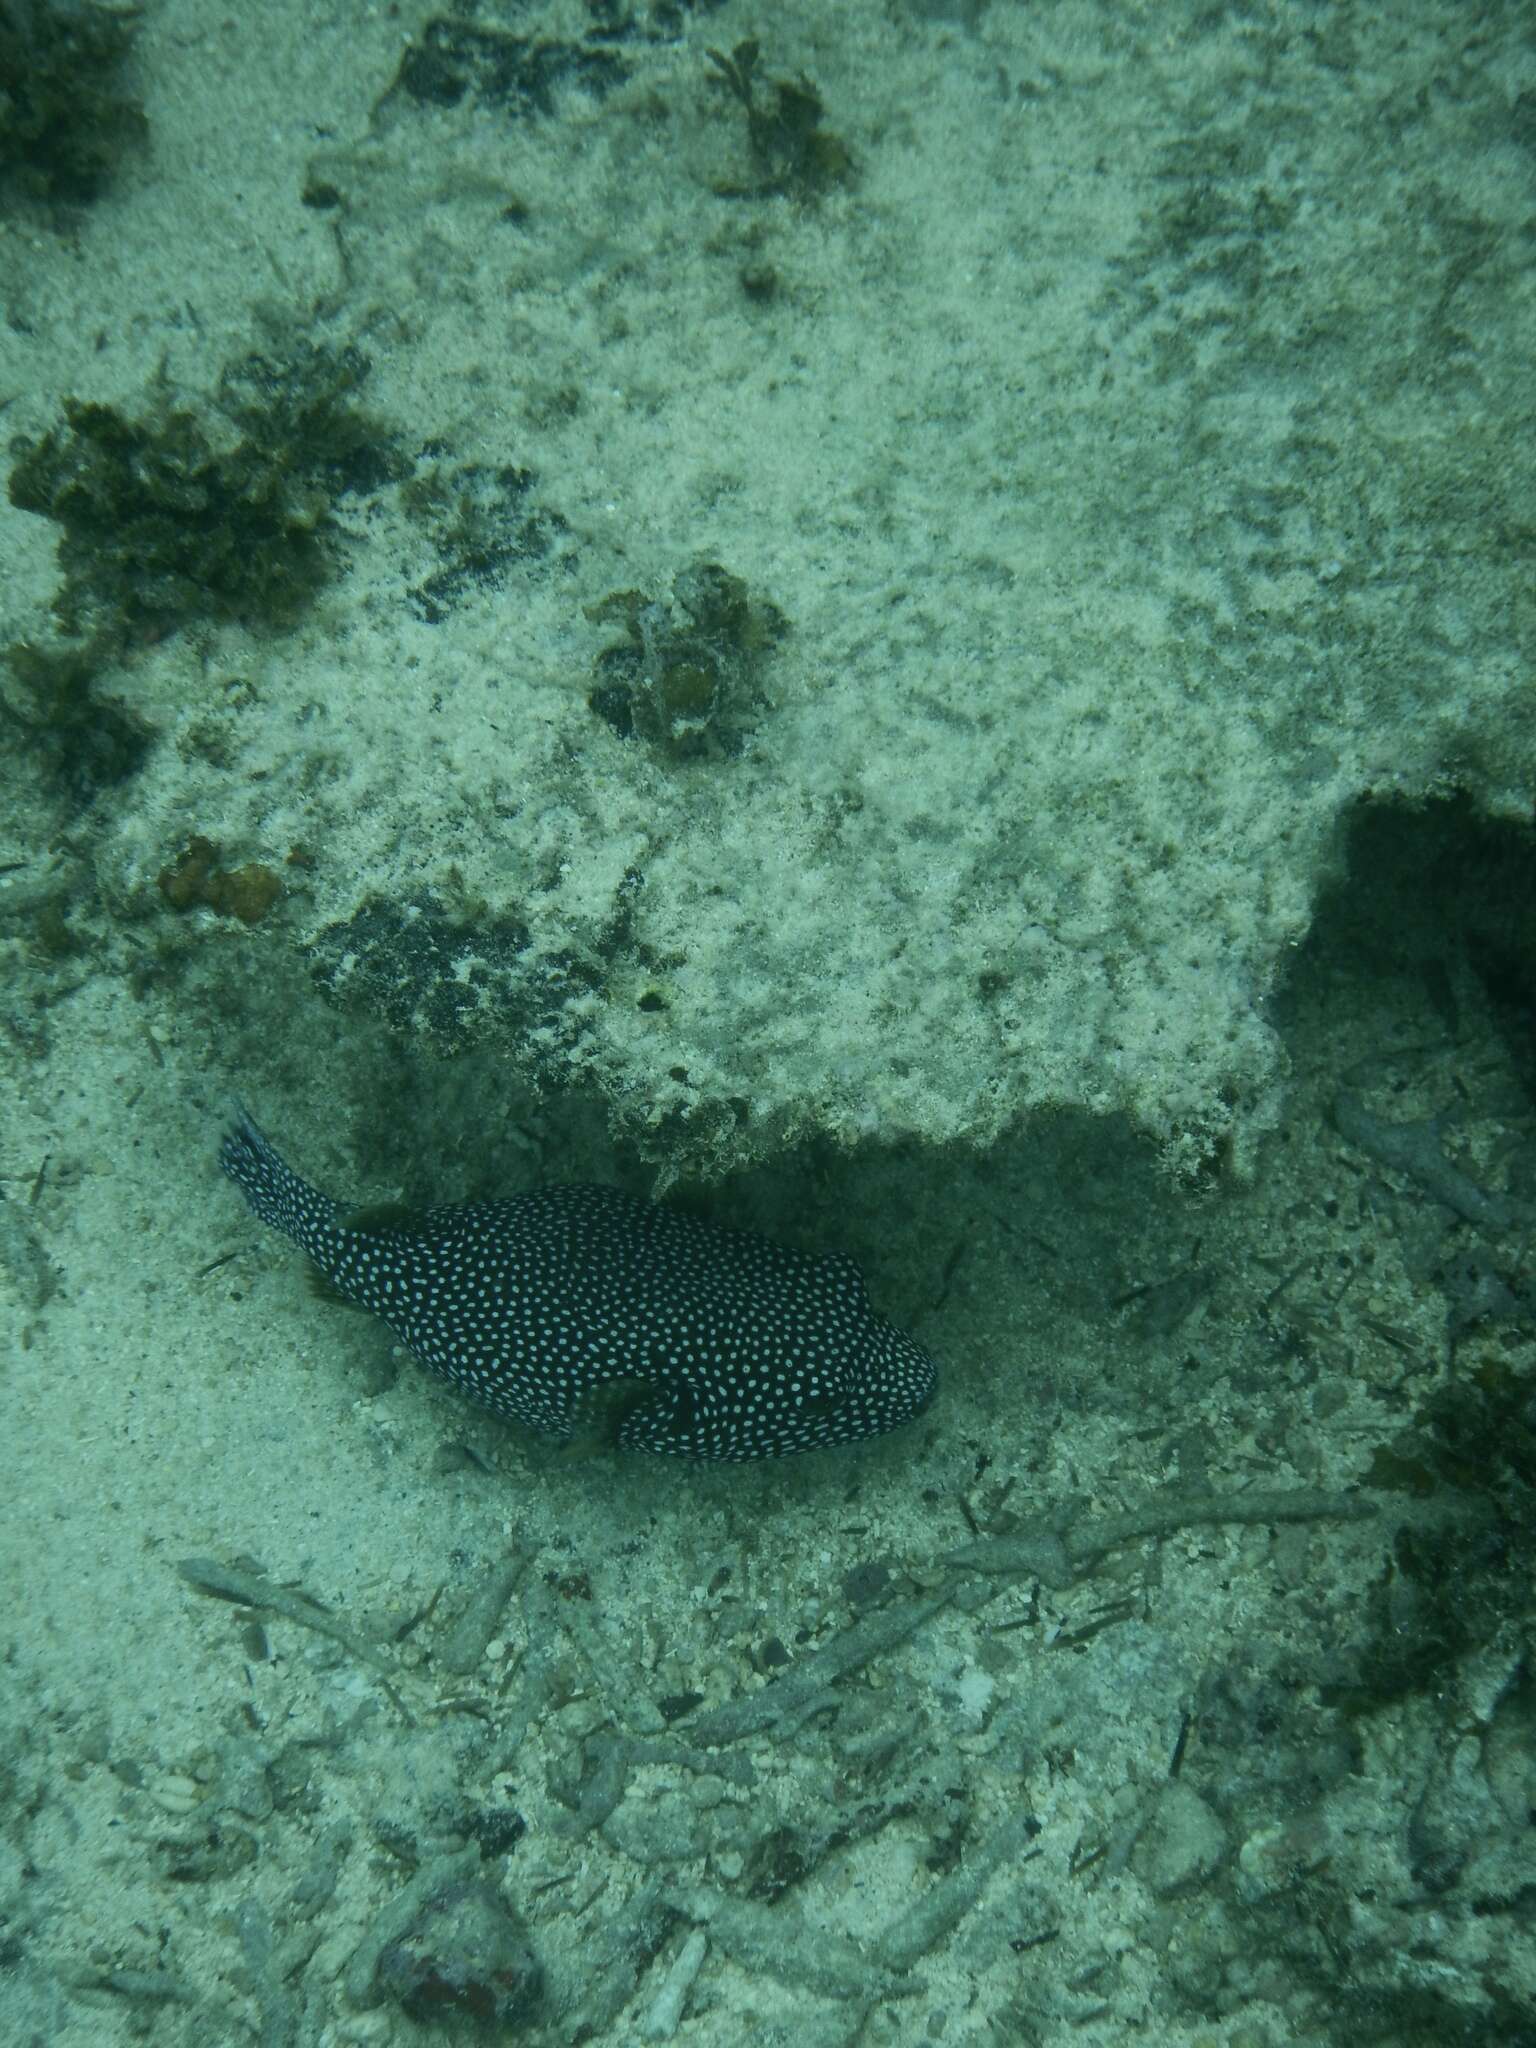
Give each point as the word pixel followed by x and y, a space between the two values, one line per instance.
pixel 601 1413
pixel 324 1288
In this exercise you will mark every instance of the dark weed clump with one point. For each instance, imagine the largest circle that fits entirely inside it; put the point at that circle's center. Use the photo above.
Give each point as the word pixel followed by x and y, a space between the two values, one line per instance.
pixel 65 115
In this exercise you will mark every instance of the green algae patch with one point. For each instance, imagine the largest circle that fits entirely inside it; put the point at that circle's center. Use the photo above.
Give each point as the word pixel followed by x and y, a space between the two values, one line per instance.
pixel 223 510
pixel 792 153
pixel 83 741
pixel 65 117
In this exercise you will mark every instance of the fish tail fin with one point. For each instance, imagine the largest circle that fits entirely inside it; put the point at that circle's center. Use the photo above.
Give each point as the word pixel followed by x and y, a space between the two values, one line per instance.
pixel 276 1193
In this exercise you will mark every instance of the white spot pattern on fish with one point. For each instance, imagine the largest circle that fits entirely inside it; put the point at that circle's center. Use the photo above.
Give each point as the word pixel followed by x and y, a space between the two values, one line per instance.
pixel 553 1307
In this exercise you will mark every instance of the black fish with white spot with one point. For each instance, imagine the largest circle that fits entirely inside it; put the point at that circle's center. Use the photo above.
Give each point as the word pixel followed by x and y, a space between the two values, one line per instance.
pixel 584 1312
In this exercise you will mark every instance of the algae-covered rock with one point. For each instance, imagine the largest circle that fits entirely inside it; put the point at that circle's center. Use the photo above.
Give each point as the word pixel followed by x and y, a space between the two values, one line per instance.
pixel 686 675
pixel 465 1957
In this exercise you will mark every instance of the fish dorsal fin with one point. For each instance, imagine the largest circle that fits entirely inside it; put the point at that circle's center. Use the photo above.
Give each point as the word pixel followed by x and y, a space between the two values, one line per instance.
pixel 397 1219
pixel 378 1219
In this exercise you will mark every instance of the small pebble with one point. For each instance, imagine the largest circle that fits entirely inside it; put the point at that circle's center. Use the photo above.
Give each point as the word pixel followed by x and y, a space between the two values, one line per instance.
pixel 173 1792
